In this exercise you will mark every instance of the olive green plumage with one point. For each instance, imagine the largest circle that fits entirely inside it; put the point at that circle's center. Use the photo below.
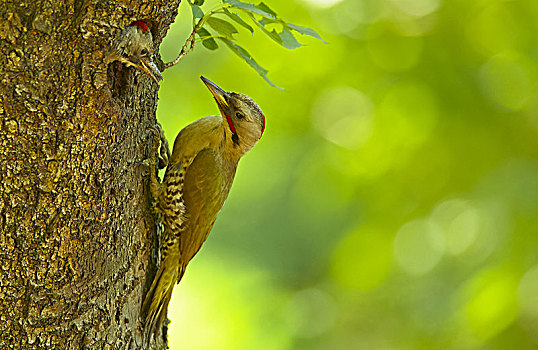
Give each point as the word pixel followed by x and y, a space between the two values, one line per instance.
pixel 196 183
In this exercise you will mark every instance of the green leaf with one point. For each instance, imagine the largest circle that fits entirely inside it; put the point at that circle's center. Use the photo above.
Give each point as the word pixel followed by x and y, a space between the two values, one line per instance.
pixel 198 2
pixel 197 11
pixel 209 43
pixel 262 6
pixel 265 21
pixel 272 34
pixel 288 40
pixel 221 26
pixel 249 7
pixel 238 20
pixel 306 31
pixel 241 52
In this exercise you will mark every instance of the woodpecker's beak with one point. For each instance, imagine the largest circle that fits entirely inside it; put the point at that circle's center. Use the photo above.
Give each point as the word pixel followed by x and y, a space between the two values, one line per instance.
pixel 219 94
pixel 149 68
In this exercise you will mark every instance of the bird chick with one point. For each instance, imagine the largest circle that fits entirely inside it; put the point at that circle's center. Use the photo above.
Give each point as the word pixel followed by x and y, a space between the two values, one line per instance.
pixel 196 183
pixel 134 48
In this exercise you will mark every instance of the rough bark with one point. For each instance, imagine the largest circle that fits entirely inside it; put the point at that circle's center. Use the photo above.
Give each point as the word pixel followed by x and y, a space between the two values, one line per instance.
pixel 77 232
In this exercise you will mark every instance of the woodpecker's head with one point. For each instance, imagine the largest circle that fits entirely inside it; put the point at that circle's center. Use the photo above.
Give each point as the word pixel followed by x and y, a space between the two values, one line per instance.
pixel 134 47
pixel 244 120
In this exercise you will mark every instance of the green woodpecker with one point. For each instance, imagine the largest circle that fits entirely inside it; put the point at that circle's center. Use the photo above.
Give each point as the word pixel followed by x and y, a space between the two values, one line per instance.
pixel 196 183
pixel 134 48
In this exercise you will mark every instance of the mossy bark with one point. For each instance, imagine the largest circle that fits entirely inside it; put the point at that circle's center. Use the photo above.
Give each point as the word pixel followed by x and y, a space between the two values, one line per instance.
pixel 76 227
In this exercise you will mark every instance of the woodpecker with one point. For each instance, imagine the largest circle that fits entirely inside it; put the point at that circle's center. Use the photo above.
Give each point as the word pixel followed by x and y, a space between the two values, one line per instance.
pixel 195 185
pixel 134 48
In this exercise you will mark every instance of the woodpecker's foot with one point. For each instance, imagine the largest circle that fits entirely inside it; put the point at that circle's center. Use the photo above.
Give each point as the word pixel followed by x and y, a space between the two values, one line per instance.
pixel 164 149
pixel 156 187
pixel 145 165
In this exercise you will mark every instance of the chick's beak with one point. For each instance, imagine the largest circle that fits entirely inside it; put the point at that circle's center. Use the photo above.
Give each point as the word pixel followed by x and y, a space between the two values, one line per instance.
pixel 149 68
pixel 219 94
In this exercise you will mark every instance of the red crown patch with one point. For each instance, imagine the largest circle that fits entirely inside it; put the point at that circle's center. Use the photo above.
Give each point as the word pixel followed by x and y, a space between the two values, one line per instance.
pixel 141 25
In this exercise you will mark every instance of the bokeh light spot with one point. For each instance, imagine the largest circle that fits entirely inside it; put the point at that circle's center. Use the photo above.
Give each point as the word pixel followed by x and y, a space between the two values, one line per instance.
pixel 362 260
pixel 528 293
pixel 344 116
pixel 417 7
pixel 413 26
pixel 495 29
pixel 322 3
pixel 234 318
pixel 459 221
pixel 508 80
pixel 347 17
pixel 418 246
pixel 493 303
pixel 528 302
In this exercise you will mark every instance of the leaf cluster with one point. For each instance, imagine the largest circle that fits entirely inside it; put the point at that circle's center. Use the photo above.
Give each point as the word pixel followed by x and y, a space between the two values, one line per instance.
pixel 220 25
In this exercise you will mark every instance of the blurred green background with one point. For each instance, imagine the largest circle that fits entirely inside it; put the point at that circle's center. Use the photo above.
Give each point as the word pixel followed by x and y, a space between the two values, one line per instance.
pixel 392 202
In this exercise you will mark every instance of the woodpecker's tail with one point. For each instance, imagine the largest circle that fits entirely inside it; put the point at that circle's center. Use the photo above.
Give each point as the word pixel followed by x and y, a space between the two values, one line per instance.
pixel 156 302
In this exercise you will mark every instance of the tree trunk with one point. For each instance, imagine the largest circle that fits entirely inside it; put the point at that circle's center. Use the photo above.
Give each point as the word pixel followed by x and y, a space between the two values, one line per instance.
pixel 77 231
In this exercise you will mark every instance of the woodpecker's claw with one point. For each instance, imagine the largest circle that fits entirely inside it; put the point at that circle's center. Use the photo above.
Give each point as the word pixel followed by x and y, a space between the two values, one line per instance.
pixel 155 186
pixel 146 164
pixel 155 142
pixel 160 143
pixel 164 150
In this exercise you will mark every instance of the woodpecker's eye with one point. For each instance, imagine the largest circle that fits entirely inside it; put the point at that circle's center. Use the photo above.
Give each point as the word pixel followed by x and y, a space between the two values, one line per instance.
pixel 144 52
pixel 239 115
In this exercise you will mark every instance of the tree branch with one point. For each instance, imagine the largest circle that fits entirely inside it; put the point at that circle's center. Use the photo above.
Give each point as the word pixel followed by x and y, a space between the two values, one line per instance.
pixel 187 48
pixel 189 43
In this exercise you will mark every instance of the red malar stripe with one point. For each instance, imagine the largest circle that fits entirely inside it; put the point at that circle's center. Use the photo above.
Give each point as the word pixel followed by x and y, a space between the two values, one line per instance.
pixel 230 124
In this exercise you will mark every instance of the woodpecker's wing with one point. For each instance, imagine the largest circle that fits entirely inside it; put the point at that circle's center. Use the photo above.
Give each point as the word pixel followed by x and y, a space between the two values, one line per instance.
pixel 207 182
